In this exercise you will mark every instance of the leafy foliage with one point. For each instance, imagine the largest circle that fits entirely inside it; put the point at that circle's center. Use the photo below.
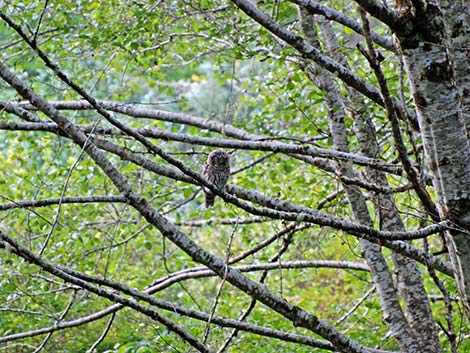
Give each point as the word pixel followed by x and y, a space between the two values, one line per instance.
pixel 205 59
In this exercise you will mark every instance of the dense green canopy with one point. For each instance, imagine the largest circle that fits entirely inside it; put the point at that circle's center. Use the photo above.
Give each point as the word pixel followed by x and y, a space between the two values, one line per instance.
pixel 343 224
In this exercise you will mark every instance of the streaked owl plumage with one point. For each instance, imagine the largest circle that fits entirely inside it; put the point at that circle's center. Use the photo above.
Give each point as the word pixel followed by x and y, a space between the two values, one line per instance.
pixel 217 171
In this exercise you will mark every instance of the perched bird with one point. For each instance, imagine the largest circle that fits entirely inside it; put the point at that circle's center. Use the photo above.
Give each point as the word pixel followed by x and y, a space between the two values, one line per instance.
pixel 217 171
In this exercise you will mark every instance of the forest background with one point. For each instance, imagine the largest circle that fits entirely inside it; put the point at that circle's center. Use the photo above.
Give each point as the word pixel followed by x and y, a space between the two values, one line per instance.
pixel 344 223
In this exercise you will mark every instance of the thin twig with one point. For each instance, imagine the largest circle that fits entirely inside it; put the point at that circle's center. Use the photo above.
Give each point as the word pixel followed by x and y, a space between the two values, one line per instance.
pixel 393 114
pixel 103 334
pixel 64 189
pixel 252 305
pixel 450 331
pixel 355 306
pixel 62 316
pixel 36 32
pixel 221 285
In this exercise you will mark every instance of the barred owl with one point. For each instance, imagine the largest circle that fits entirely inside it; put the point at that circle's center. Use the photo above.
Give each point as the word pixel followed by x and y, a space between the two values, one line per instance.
pixel 217 171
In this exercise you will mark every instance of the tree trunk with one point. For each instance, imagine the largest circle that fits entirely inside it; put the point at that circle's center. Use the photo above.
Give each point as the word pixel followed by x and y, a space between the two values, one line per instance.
pixel 456 16
pixel 433 75
pixel 410 283
pixel 417 334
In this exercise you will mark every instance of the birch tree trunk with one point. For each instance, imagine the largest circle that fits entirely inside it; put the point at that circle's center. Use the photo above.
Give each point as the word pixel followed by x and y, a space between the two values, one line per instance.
pixel 456 18
pixel 439 83
pixel 383 281
pixel 418 333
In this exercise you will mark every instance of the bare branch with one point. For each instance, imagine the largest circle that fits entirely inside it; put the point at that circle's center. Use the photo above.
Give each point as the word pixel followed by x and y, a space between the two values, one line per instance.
pixel 300 213
pixel 294 314
pixel 310 52
pixel 172 307
pixel 30 257
pixel 103 334
pixel 63 200
pixel 385 14
pixel 62 316
pixel 272 146
pixel 393 115
pixel 331 14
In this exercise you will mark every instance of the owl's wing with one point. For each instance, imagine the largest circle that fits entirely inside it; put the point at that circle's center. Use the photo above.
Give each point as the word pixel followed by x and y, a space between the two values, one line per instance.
pixel 209 197
pixel 206 174
pixel 205 170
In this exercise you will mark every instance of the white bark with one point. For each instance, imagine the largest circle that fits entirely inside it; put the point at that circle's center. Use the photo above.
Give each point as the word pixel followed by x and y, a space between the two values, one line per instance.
pixel 458 24
pixel 410 283
pixel 432 74
pixel 393 314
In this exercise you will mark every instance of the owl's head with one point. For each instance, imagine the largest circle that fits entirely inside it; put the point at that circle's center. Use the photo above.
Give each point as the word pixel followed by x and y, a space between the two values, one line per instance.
pixel 219 159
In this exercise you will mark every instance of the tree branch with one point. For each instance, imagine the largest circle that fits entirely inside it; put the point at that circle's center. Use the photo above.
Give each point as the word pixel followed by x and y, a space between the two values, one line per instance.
pixel 30 257
pixel 63 200
pixel 393 115
pixel 310 52
pixel 386 15
pixel 245 144
pixel 296 315
pixel 318 9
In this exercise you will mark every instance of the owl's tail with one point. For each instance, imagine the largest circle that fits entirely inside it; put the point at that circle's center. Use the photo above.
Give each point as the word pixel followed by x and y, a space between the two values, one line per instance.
pixel 209 199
